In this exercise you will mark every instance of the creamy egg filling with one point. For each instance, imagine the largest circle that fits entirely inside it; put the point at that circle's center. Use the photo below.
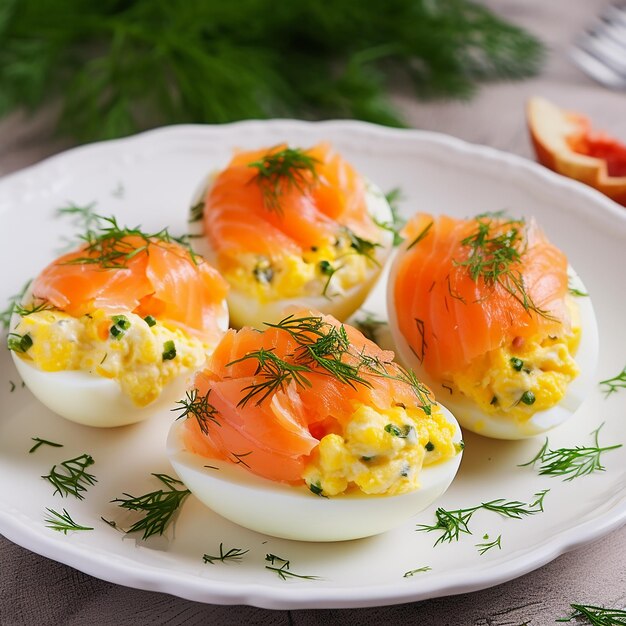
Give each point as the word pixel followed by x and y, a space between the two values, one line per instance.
pixel 380 452
pixel 329 270
pixel 523 378
pixel 142 355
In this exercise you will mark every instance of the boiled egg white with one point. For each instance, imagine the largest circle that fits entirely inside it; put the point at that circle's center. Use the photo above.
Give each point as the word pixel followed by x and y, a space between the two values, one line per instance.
pixel 93 400
pixel 245 310
pixel 500 427
pixel 293 512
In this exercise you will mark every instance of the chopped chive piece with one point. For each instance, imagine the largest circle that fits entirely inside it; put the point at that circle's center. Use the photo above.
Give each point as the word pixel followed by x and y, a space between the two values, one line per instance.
pixel 494 401
pixel 148 319
pixel 316 488
pixel 430 446
pixel 169 350
pixel 517 364
pixel 19 343
pixel 263 272
pixel 120 326
pixel 367 458
pixel 459 447
pixel 528 397
pixel 326 268
pixel 396 431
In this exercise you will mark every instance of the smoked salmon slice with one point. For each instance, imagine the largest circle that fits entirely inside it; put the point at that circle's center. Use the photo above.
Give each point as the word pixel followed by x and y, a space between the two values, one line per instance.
pixel 266 398
pixel 125 270
pixel 462 288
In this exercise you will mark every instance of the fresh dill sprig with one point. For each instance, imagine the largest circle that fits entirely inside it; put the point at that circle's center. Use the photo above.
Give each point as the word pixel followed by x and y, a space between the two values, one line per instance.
pixel 281 567
pixel 62 522
pixel 571 462
pixel 40 442
pixel 596 615
pixel 72 478
pixel 488 545
pixel 495 247
pixel 121 67
pixel 158 506
pixel 369 324
pixel 7 312
pixel 234 554
pixel 25 311
pixel 418 570
pixel 275 373
pixel 612 385
pixel 109 247
pixel 280 171
pixel 396 224
pixel 451 524
pixel 199 407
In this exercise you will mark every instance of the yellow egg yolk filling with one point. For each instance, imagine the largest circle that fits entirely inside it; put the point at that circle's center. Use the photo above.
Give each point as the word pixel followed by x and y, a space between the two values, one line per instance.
pixel 325 270
pixel 517 381
pixel 142 356
pixel 380 452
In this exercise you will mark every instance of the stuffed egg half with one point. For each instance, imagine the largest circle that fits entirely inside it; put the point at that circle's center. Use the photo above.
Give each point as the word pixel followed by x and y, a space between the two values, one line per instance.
pixel 309 431
pixel 110 333
pixel 292 227
pixel 489 314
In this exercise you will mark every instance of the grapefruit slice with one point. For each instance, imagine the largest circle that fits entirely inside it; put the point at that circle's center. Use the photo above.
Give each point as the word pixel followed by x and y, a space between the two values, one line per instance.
pixel 565 142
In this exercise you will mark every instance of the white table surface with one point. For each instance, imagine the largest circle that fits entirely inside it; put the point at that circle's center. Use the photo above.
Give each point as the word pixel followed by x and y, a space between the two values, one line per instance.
pixel 35 590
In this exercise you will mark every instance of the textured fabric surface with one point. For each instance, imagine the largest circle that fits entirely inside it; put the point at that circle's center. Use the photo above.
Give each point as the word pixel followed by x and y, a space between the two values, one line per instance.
pixel 35 590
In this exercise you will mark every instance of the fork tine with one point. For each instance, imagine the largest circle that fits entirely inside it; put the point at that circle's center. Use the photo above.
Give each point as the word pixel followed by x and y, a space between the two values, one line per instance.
pixel 606 50
pixel 597 70
pixel 601 50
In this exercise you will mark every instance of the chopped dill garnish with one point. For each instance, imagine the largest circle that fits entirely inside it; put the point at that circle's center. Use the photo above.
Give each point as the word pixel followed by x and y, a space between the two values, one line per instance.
pixel 421 329
pixel 577 292
pixel 274 371
pixel 62 522
pixel 196 212
pixel 494 249
pixel 488 545
pixel 281 567
pixel 281 171
pixel 83 216
pixel 199 407
pixel 7 312
pixel 612 385
pixel 369 324
pixel 596 615
pixel 419 570
pixel 234 554
pixel 12 388
pixel 158 506
pixel 238 458
pixel 40 442
pixel 361 246
pixel 108 245
pixel 326 269
pixel 571 462
pixel 25 311
pixel 72 478
pixel 421 235
pixel 452 524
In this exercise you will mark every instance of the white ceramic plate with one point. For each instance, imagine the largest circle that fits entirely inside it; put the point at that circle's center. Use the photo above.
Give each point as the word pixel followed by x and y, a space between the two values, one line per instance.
pixel 148 180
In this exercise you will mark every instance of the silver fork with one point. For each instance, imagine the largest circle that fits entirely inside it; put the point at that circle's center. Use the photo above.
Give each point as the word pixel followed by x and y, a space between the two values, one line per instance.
pixel 601 50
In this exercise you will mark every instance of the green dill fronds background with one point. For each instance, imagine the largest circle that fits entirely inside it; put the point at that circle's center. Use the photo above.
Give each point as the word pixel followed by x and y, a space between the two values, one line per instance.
pixel 119 66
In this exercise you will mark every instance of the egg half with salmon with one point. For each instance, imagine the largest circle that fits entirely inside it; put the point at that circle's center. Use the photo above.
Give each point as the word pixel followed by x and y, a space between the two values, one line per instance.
pixel 292 227
pixel 489 313
pixel 110 333
pixel 307 430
